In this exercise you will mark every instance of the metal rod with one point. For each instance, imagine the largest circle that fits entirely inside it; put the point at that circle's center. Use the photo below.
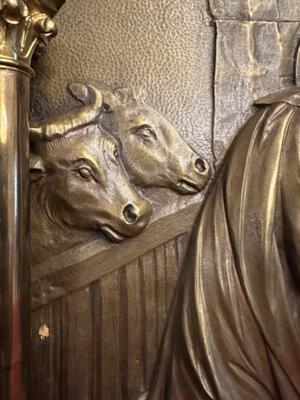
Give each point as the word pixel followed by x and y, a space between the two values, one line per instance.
pixel 25 24
pixel 14 268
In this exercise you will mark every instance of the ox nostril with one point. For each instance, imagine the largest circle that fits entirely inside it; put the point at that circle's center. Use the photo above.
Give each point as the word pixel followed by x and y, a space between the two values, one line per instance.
pixel 201 165
pixel 130 214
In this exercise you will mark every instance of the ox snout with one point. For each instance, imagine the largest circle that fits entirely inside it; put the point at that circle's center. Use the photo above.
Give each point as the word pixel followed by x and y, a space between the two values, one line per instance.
pixel 196 177
pixel 133 218
pixel 201 166
pixel 136 216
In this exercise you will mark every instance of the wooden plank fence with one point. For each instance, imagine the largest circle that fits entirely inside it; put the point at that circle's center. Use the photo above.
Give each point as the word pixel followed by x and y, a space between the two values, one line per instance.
pixel 98 317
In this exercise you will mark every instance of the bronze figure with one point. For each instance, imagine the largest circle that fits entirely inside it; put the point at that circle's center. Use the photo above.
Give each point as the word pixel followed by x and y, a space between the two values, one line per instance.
pixel 152 150
pixel 103 201
pixel 78 186
pixel 234 327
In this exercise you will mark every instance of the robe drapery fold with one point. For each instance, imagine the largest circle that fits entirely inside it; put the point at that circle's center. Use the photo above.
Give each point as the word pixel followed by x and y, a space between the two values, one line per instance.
pixel 234 328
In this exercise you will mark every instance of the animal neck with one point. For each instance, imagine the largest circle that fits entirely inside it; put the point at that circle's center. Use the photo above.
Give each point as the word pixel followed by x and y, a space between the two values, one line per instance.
pixel 49 235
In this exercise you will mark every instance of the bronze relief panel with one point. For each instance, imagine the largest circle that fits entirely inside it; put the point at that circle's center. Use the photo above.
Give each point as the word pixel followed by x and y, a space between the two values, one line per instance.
pixel 83 165
pixel 163 235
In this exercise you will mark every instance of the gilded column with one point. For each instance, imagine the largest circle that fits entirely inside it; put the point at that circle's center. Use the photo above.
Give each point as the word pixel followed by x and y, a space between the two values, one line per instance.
pixel 23 25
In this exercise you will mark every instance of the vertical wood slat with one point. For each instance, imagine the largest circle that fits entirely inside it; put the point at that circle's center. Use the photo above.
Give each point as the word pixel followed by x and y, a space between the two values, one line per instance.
pixel 97 340
pixel 171 270
pixel 55 349
pixel 41 354
pixel 135 376
pixel 182 243
pixel 161 282
pixel 124 333
pixel 148 285
pixel 77 346
pixel 111 379
pixel 104 338
pixel 45 353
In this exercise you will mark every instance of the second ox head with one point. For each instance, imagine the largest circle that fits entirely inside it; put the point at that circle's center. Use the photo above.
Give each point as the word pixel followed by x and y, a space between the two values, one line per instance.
pixel 153 151
pixel 81 180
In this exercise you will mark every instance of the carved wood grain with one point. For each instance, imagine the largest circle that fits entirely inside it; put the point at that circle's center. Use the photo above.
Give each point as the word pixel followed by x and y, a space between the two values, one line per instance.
pixel 109 331
pixel 88 269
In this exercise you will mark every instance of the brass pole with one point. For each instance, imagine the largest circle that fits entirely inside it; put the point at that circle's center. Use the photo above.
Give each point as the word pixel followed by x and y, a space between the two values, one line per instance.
pixel 22 26
pixel 14 268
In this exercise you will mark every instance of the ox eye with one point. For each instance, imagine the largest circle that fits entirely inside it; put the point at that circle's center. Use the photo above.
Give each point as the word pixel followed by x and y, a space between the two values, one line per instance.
pixel 116 153
pixel 107 108
pixel 146 132
pixel 85 173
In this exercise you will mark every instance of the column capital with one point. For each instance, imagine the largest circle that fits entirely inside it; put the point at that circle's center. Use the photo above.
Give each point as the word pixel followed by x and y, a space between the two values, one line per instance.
pixel 23 25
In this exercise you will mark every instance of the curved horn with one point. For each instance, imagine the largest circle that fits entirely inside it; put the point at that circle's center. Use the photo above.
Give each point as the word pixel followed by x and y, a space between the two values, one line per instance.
pixel 62 124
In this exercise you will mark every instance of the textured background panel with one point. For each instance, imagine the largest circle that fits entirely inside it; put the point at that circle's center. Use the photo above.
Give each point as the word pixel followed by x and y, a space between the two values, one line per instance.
pixel 289 10
pixel 252 59
pixel 203 70
pixel 164 46
pixel 269 10
pixel 201 64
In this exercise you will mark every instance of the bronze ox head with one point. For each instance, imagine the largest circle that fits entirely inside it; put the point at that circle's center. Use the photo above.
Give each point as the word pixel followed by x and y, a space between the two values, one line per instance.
pixel 78 178
pixel 154 153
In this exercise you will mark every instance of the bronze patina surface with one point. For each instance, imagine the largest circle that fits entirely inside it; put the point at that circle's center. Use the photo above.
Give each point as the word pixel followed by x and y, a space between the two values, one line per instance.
pixel 22 28
pixel 84 163
pixel 135 236
pixel 152 149
pixel 234 327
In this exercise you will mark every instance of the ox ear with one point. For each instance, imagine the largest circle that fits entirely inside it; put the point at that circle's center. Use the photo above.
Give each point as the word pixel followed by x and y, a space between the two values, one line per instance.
pixel 79 91
pixel 138 93
pixel 110 101
pixel 122 94
pixel 126 94
pixel 37 167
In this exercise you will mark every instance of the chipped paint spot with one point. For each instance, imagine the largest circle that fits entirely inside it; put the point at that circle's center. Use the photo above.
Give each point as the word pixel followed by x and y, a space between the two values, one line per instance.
pixel 44 332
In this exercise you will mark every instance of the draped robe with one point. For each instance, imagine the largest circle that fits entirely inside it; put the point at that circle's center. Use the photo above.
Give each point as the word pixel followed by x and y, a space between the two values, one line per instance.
pixel 234 327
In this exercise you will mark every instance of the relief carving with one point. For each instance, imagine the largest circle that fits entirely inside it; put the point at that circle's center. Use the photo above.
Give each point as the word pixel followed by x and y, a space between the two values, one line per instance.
pixel 24 26
pixel 78 182
pixel 154 153
pixel 234 327
pixel 231 331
